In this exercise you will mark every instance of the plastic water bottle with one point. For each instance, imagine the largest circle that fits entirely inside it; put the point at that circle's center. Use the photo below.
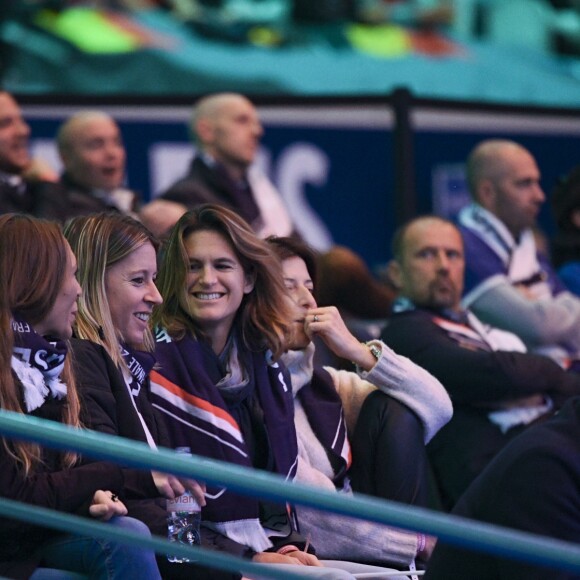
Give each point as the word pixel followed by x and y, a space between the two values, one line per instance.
pixel 183 519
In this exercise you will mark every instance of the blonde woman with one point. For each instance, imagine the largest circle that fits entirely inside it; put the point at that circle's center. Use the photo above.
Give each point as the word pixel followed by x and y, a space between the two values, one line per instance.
pixel 113 356
pixel 38 305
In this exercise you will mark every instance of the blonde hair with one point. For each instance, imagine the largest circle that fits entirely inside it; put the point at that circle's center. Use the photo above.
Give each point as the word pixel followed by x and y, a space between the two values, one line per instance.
pixel 33 261
pixel 263 318
pixel 100 241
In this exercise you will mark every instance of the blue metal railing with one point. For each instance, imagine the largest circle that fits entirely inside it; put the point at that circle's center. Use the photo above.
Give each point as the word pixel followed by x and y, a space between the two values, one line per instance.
pixel 452 529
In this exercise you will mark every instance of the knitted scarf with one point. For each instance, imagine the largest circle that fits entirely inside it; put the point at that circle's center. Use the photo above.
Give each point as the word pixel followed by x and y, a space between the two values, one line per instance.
pixel 197 416
pixel 37 363
pixel 139 363
pixel 519 257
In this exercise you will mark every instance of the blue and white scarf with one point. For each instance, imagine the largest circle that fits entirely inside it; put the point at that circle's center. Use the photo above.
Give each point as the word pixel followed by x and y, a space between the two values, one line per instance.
pixel 37 362
pixel 520 257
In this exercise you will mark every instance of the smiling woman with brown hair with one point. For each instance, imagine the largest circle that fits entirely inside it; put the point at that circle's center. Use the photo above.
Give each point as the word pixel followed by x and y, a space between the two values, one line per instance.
pixel 224 324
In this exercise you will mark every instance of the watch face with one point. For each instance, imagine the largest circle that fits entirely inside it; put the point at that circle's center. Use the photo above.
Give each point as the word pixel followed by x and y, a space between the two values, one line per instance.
pixel 375 351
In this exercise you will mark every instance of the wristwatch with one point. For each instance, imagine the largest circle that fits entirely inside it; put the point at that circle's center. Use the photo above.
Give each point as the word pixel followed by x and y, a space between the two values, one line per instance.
pixel 375 350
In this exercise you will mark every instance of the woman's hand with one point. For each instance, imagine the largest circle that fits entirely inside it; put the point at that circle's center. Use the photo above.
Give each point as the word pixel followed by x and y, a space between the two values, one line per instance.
pixel 273 558
pixel 425 554
pixel 170 486
pixel 327 323
pixel 305 558
pixel 105 505
pixel 296 558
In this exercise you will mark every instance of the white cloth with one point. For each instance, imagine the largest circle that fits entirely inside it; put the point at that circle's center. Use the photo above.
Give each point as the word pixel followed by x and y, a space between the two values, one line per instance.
pixel 36 385
pixel 501 340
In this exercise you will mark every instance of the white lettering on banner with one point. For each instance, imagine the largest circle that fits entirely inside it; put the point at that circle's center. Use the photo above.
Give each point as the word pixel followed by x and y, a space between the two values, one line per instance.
pixel 449 186
pixel 168 162
pixel 162 336
pixel 136 368
pixel 300 164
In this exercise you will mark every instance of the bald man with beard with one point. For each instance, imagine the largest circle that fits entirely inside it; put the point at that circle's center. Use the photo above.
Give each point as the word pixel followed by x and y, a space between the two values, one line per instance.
pixel 497 387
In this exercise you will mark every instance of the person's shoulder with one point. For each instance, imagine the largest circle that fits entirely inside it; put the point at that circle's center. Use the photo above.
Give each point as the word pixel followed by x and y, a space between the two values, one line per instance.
pixel 409 316
pixel 405 324
pixel 195 179
pixel 49 198
pixel 82 345
pixel 475 247
pixel 87 353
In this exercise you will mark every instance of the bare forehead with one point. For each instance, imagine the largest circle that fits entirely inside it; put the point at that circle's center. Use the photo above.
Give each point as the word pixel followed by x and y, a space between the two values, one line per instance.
pixel 91 127
pixel 434 233
pixel 235 107
pixel 517 160
pixel 8 106
pixel 208 243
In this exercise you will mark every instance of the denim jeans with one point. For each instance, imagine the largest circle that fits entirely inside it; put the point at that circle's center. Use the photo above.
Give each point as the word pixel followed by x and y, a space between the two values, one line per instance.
pixel 98 559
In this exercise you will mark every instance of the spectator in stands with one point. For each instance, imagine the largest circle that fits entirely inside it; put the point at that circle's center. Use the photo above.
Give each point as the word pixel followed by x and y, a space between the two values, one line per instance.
pixel 26 185
pixel 566 242
pixel 508 283
pixel 223 393
pixel 497 388
pixel 38 304
pixel 227 133
pixel 92 152
pixel 532 485
pixel 388 409
pixel 117 270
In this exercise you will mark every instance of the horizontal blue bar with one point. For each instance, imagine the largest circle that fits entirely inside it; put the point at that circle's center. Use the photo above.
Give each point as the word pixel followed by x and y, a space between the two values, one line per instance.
pixel 452 529
pixel 76 525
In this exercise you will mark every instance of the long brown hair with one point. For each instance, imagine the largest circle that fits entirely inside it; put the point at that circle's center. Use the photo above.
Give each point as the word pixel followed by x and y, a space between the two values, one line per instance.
pixel 99 241
pixel 264 317
pixel 33 260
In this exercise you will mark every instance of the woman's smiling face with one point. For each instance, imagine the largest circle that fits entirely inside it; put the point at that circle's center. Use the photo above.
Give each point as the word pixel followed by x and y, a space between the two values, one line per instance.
pixel 215 285
pixel 132 294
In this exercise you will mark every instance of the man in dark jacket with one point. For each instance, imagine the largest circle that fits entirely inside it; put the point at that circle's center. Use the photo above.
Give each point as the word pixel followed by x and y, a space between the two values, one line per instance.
pixel 92 152
pixel 496 386
pixel 532 485
pixel 25 186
